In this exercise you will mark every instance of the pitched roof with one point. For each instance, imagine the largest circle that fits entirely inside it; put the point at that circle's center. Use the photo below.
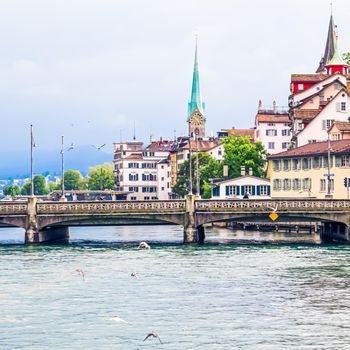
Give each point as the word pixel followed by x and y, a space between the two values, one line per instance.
pixel 272 118
pixel 203 145
pixel 315 148
pixel 306 114
pixel 229 179
pixel 330 46
pixel 312 78
pixel 134 156
pixel 341 126
pixel 240 132
pixel 160 146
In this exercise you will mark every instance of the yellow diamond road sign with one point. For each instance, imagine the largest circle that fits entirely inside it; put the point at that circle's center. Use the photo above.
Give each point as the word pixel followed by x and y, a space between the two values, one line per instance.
pixel 273 216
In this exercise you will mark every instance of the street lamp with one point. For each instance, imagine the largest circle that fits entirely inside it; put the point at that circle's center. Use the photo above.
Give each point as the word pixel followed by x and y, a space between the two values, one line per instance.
pixel 32 145
pixel 63 198
pixel 190 151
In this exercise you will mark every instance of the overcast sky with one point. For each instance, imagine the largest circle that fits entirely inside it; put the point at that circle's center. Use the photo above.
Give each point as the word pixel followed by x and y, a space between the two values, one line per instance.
pixel 88 69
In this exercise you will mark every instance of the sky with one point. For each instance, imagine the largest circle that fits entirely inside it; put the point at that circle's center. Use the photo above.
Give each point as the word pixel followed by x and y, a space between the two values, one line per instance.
pixel 92 69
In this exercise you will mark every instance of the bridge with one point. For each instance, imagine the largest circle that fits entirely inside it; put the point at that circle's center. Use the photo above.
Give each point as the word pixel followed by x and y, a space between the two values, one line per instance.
pixel 45 221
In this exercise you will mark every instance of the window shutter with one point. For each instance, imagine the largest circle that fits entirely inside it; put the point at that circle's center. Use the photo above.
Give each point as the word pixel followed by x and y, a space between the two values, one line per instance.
pixel 338 107
pixel 143 177
pixel 227 191
pixel 268 190
pixel 324 124
pixel 275 132
pixel 253 190
pixel 237 190
pixel 242 191
pixel 129 177
pixel 258 190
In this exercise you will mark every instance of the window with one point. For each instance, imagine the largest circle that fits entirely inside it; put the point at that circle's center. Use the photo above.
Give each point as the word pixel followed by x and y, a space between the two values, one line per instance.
pixel 285 145
pixel 162 189
pixel 133 198
pixel 295 164
pixel 343 106
pixel 219 152
pixel 133 165
pixel 323 185
pixel 296 184
pixel 300 87
pixel 264 190
pixel 149 177
pixel 149 189
pixel 162 178
pixel 316 162
pixel 344 161
pixel 306 163
pixel 335 137
pixel 332 184
pixel 247 189
pixel 271 145
pixel 270 124
pixel 146 198
pixel 271 132
pixel 277 184
pixel 133 177
pixel 133 189
pixel 300 126
pixel 230 191
pixel 285 132
pixel 286 164
pixel 276 165
pixel 327 123
pixel 286 184
pixel 286 124
pixel 307 184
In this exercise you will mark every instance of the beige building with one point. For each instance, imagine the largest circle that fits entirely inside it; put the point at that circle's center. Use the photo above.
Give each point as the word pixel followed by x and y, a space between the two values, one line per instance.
pixel 339 131
pixel 302 172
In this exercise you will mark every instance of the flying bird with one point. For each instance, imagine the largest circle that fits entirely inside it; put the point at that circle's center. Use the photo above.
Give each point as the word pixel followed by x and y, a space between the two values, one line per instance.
pixel 118 319
pixel 98 147
pixel 81 273
pixel 153 335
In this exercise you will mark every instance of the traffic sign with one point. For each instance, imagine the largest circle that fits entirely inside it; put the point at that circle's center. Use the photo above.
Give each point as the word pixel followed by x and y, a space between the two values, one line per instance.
pixel 273 216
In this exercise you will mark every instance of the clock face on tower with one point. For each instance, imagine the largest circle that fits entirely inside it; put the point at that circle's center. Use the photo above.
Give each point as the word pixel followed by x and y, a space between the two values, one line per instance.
pixel 197 119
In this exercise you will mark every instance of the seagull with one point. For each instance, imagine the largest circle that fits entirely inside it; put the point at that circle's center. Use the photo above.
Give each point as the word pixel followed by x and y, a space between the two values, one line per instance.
pixel 70 147
pixel 81 273
pixel 98 147
pixel 118 319
pixel 133 274
pixel 154 335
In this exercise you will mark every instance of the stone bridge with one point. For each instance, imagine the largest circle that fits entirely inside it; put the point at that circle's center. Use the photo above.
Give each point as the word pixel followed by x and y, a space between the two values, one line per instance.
pixel 50 221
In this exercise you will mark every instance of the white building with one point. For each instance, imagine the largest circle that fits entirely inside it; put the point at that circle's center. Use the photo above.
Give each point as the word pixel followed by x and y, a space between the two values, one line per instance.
pixel 272 128
pixel 236 188
pixel 144 173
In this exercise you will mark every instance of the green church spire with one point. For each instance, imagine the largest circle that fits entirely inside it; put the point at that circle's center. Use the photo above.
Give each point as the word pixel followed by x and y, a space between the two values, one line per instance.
pixel 196 98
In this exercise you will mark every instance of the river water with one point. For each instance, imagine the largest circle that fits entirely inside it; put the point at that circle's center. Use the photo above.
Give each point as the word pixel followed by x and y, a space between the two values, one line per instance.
pixel 237 291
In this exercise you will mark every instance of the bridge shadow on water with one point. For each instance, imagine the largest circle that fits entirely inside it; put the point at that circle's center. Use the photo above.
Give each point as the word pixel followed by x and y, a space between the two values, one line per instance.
pixel 163 237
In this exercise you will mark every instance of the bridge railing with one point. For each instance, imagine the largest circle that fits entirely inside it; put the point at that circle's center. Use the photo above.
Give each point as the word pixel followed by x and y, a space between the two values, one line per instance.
pixel 269 205
pixel 11 208
pixel 111 207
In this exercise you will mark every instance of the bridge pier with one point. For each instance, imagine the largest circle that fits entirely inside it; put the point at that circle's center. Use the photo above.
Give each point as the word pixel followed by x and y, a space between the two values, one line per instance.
pixel 192 232
pixel 334 232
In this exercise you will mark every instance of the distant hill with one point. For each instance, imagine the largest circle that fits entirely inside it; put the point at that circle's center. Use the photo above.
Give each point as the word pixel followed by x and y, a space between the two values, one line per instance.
pixel 15 164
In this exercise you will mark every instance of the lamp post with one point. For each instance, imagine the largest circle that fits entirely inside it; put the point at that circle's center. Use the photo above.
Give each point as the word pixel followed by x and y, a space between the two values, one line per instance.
pixel 190 151
pixel 63 198
pixel 32 145
pixel 197 165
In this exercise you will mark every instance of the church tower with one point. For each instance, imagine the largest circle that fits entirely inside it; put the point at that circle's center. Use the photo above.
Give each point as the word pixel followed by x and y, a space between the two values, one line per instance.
pixel 196 118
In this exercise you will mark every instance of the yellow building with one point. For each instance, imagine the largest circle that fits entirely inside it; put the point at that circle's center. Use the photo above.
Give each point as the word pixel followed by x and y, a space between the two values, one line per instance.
pixel 302 172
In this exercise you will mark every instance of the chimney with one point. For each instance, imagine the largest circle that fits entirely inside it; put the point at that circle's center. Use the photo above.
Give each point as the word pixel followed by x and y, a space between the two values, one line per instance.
pixel 225 170
pixel 250 172
pixel 260 107
pixel 242 170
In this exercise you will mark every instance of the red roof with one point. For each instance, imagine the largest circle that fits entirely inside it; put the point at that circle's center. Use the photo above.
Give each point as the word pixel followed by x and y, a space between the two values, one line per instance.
pixel 272 118
pixel 315 148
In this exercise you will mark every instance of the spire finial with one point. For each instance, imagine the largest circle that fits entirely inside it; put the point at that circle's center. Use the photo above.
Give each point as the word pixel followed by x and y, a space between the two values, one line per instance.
pixel 331 3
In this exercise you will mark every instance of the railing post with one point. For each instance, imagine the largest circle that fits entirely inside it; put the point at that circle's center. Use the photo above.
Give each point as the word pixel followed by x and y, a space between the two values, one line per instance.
pixel 190 227
pixel 32 233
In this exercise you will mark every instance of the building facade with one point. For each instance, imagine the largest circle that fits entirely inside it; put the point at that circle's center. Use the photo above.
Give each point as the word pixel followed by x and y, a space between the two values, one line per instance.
pixel 303 172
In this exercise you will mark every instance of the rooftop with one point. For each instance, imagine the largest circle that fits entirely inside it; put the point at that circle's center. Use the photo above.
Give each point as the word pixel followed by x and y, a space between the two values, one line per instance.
pixel 341 126
pixel 316 148
pixel 272 118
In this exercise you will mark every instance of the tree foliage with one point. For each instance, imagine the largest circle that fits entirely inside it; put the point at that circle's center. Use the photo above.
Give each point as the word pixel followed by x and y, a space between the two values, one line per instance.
pixel 72 180
pixel 241 152
pixel 346 57
pixel 101 177
pixel 208 168
pixel 39 186
pixel 12 190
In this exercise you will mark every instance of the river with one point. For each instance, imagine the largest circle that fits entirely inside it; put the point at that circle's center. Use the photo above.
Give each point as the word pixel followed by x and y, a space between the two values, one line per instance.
pixel 240 290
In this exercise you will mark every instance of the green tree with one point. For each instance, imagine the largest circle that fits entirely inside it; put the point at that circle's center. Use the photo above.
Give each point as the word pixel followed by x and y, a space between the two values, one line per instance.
pixel 39 186
pixel 346 57
pixel 208 168
pixel 53 186
pixel 72 180
pixel 101 177
pixel 12 190
pixel 241 152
